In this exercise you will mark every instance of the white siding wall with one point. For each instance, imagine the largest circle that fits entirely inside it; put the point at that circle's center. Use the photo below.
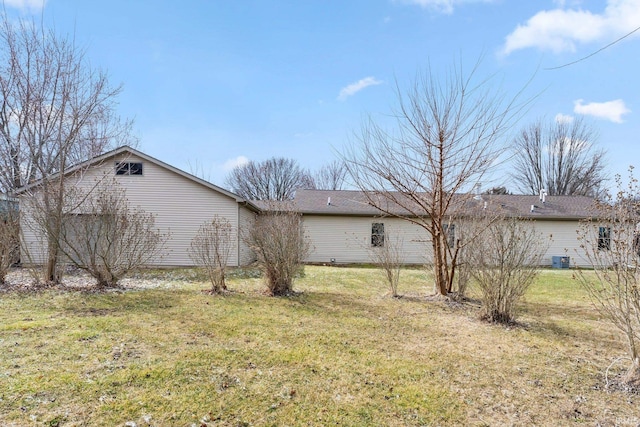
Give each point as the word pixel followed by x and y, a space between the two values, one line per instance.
pixel 347 239
pixel 564 241
pixel 180 205
pixel 245 220
pixel 32 245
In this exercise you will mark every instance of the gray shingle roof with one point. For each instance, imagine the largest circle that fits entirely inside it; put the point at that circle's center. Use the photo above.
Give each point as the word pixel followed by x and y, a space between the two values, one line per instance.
pixel 344 202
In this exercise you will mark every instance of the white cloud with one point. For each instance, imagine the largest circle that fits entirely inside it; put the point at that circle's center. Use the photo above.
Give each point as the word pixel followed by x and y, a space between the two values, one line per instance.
pixel 559 30
pixel 353 88
pixel 233 163
pixel 29 5
pixel 442 6
pixel 563 118
pixel 610 110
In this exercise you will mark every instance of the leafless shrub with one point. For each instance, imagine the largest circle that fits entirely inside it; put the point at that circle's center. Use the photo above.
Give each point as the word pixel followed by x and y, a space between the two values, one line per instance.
pixel 388 257
pixel 611 244
pixel 210 249
pixel 278 240
pixel 504 261
pixel 9 242
pixel 463 276
pixel 106 237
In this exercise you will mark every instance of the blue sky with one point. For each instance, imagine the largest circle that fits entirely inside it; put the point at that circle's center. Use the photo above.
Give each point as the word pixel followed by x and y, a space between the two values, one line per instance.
pixel 211 83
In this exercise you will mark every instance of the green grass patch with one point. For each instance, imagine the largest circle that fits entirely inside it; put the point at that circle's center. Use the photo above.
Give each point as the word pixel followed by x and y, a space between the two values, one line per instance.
pixel 339 352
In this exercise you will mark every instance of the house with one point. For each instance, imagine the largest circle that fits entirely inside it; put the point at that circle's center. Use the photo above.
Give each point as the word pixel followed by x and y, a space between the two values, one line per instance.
pixel 180 202
pixel 342 225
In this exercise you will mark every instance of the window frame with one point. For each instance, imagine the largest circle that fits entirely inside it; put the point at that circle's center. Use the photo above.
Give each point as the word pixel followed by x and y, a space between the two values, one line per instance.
pixel 377 234
pixel 129 168
pixel 604 238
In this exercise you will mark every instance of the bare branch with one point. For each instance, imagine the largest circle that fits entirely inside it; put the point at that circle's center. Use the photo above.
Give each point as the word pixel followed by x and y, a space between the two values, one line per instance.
pixel 55 111
pixel 105 237
pixel 331 176
pixel 611 242
pixel 504 261
pixel 448 135
pixel 277 238
pixel 560 157
pixel 210 250
pixel 9 238
pixel 273 179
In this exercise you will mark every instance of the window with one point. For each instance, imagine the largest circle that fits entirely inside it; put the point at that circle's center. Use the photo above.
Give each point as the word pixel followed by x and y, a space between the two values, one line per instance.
pixel 128 168
pixel 450 231
pixel 604 238
pixel 377 234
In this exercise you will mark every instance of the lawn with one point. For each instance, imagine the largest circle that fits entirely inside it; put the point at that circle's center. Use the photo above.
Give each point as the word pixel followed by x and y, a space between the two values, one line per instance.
pixel 341 352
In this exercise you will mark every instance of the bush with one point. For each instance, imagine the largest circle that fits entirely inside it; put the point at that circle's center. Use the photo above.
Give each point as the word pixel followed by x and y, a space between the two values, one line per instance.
pixel 278 241
pixel 388 257
pixel 611 243
pixel 210 249
pixel 504 261
pixel 106 238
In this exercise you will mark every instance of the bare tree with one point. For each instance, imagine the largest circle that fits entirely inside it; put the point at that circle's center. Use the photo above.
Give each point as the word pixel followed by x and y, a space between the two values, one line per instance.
pixel 611 242
pixel 274 179
pixel 504 261
pixel 210 250
pixel 102 235
pixel 560 157
pixel 448 134
pixel 278 240
pixel 55 110
pixel 331 176
pixel 497 190
pixel 9 239
pixel 386 253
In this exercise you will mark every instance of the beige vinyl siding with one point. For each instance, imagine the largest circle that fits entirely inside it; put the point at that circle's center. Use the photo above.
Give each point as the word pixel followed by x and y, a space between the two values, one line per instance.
pixel 347 239
pixel 180 204
pixel 564 241
pixel 245 221
pixel 32 244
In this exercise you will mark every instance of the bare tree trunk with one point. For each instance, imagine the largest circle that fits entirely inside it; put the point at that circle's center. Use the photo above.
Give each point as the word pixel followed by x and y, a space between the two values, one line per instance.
pixel 448 135
pixel 55 111
pixel 632 377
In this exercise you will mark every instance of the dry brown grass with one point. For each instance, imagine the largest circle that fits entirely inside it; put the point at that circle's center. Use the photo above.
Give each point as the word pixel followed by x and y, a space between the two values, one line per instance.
pixel 339 352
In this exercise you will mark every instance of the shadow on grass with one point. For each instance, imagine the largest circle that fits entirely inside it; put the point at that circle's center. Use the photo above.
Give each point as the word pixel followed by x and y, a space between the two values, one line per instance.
pixel 346 305
pixel 566 322
pixel 121 304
